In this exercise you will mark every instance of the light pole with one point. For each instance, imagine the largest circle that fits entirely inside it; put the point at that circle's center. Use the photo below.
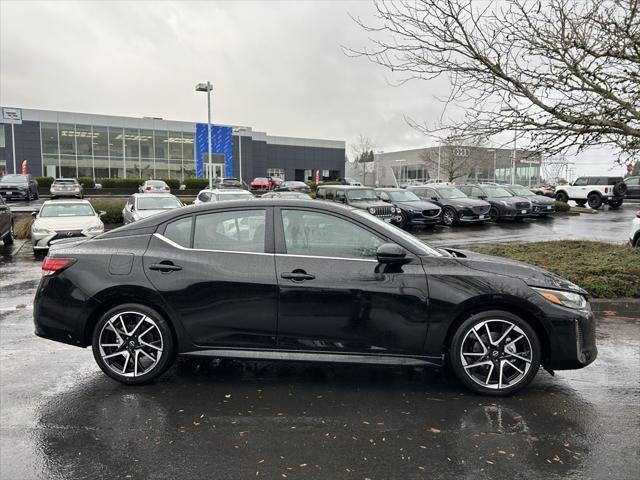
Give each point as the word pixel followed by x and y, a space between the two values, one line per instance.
pixel 513 160
pixel 207 87
pixel 238 130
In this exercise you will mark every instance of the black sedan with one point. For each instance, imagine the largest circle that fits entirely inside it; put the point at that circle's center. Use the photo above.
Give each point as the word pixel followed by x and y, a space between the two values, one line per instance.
pixel 414 211
pixel 456 206
pixel 504 204
pixel 306 280
pixel 541 206
pixel 293 187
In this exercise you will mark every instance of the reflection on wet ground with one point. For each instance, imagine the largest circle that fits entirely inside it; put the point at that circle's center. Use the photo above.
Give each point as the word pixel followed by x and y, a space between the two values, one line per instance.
pixel 62 418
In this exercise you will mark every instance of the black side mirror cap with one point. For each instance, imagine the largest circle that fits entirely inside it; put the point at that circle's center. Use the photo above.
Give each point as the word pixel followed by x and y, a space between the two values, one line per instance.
pixel 392 253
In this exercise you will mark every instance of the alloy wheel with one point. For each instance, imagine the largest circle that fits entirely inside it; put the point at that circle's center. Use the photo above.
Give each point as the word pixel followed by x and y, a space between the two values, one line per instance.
pixel 496 354
pixel 131 344
pixel 448 217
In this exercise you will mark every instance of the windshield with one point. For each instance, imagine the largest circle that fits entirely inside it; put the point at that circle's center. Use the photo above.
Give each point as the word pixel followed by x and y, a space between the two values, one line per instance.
pixel 422 248
pixel 67 210
pixel 523 192
pixel 158 203
pixel 234 196
pixel 361 194
pixel 403 196
pixel 13 179
pixel 497 192
pixel 450 192
pixel 260 179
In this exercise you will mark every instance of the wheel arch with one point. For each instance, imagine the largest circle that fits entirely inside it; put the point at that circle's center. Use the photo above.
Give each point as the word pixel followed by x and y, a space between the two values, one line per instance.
pixel 477 306
pixel 597 192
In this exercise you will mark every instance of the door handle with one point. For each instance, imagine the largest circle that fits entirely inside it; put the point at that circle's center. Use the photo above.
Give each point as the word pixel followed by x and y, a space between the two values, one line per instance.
pixel 297 276
pixel 165 267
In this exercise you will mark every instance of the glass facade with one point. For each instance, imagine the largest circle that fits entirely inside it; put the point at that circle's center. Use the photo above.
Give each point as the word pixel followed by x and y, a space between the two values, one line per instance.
pixel 75 150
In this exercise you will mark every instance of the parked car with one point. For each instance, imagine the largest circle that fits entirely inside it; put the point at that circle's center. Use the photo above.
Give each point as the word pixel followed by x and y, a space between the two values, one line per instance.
pixel 21 187
pixel 289 195
pixel 154 186
pixel 363 198
pixel 6 223
pixel 634 234
pixel 66 187
pixel 265 183
pixel 541 206
pixel 593 191
pixel 63 219
pixel 546 190
pixel 413 210
pixel 307 281
pixel 143 205
pixel 456 206
pixel 633 187
pixel 349 181
pixel 221 195
pixel 293 187
pixel 504 204
pixel 226 182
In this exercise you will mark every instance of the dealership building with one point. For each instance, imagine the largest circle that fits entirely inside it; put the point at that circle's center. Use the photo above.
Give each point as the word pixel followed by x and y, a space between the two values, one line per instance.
pixel 66 144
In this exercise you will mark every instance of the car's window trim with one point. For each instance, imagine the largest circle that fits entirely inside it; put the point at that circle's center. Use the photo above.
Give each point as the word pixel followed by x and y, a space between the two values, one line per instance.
pixel 160 236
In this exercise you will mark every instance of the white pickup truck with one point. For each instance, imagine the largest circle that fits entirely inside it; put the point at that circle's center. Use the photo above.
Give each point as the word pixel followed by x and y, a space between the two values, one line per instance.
pixel 593 191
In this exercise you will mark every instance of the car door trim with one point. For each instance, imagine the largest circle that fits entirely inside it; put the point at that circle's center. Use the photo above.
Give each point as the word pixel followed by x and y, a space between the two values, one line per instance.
pixel 159 236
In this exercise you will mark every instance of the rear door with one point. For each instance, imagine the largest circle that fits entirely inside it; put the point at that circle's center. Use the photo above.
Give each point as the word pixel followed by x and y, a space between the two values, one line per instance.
pixel 217 273
pixel 633 187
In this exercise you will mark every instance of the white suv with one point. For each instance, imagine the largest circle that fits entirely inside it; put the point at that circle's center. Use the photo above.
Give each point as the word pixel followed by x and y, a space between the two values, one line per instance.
pixel 634 234
pixel 593 191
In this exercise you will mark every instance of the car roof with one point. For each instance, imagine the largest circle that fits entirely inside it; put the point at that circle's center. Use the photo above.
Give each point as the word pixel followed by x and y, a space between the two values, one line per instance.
pixel 66 200
pixel 390 189
pixel 159 194
pixel 64 178
pixel 345 187
pixel 224 190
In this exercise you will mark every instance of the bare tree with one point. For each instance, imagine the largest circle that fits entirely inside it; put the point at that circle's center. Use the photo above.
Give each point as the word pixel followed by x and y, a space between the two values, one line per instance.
pixel 363 150
pixel 456 157
pixel 560 73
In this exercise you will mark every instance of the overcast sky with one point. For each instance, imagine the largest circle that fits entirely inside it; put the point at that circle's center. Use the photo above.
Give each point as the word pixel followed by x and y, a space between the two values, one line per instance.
pixel 276 66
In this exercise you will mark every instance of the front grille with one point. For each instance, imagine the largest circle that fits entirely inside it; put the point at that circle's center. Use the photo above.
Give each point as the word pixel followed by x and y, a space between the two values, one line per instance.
pixel 482 209
pixel 523 205
pixel 67 234
pixel 430 213
pixel 383 211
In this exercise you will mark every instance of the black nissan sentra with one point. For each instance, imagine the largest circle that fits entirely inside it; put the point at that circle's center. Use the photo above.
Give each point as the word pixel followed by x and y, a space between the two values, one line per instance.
pixel 306 280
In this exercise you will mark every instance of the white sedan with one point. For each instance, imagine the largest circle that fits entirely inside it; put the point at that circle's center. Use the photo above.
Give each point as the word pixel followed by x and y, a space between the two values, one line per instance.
pixel 143 205
pixel 59 219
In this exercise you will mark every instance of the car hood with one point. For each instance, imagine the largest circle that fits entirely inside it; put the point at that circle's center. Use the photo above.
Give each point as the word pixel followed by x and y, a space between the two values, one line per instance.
pixel 365 204
pixel 531 275
pixel 8 183
pixel 541 200
pixel 509 200
pixel 417 205
pixel 67 223
pixel 466 202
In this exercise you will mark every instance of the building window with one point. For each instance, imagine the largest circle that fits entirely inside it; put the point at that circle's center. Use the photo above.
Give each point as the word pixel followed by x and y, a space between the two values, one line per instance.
pixel 276 172
pixel 49 135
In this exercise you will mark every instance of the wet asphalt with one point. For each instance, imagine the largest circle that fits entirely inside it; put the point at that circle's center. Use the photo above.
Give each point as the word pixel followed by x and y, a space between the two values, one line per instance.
pixel 61 418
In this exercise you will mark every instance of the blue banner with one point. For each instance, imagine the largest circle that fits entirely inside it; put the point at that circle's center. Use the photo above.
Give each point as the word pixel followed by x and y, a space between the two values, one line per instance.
pixel 221 144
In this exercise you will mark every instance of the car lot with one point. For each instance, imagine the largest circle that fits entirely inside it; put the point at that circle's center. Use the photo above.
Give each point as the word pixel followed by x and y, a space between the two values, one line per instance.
pixel 63 418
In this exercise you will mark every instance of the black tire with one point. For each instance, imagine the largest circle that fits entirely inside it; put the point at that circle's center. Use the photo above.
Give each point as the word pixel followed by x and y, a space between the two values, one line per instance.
pixel 594 201
pixel 448 216
pixel 581 203
pixel 404 222
pixel 494 214
pixel 561 197
pixel 159 340
pixel 8 238
pixel 615 203
pixel 636 243
pixel 37 196
pixel 620 189
pixel 480 379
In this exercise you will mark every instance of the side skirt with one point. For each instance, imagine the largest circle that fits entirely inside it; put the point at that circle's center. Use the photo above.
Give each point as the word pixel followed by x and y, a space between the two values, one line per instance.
pixel 318 357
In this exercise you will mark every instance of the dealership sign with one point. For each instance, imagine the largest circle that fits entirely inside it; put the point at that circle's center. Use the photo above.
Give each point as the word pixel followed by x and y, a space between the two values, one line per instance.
pixel 11 115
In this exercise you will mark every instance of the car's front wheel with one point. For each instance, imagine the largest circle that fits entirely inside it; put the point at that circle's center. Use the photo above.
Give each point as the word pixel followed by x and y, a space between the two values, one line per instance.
pixel 133 344
pixel 448 216
pixel 495 353
pixel 494 214
pixel 562 197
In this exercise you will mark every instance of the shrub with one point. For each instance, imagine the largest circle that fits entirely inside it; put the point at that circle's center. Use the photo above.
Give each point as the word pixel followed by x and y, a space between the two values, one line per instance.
pixel 87 182
pixel 196 183
pixel 562 206
pixel 121 182
pixel 44 182
pixel 312 186
pixel 113 208
pixel 22 228
pixel 187 200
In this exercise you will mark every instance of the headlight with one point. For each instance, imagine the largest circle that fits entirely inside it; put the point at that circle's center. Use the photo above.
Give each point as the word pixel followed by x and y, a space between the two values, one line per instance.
pixel 566 299
pixel 372 211
pixel 40 230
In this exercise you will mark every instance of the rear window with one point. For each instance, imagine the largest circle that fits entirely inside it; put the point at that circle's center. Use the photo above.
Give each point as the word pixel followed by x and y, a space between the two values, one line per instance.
pixel 64 182
pixel 179 231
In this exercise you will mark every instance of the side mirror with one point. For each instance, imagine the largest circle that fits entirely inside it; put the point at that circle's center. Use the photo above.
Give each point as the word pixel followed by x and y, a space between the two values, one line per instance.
pixel 435 199
pixel 131 208
pixel 34 214
pixel 392 253
pixel 101 213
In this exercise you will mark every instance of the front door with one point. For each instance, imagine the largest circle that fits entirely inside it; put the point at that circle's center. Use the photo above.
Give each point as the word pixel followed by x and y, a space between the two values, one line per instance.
pixel 213 171
pixel 213 271
pixel 334 296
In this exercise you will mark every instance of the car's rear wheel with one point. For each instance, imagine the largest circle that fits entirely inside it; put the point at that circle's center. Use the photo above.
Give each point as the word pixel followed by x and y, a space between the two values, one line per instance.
pixel 448 216
pixel 562 197
pixel 133 344
pixel 494 214
pixel 495 353
pixel 594 200
pixel 581 203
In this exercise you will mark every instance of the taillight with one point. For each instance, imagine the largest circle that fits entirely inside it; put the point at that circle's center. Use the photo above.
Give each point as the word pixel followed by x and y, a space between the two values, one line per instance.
pixel 606 189
pixel 167 188
pixel 147 188
pixel 53 265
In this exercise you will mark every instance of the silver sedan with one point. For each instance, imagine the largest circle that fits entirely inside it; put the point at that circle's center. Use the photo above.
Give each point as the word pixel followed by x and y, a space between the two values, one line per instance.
pixel 143 205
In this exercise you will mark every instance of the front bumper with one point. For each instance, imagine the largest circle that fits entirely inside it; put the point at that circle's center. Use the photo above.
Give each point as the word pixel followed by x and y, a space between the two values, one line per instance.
pixel 18 194
pixel 417 218
pixel 573 342
pixel 42 241
pixel 543 209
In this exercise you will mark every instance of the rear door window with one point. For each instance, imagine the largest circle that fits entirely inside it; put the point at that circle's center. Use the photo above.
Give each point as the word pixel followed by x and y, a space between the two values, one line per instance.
pixel 233 231
pixel 179 231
